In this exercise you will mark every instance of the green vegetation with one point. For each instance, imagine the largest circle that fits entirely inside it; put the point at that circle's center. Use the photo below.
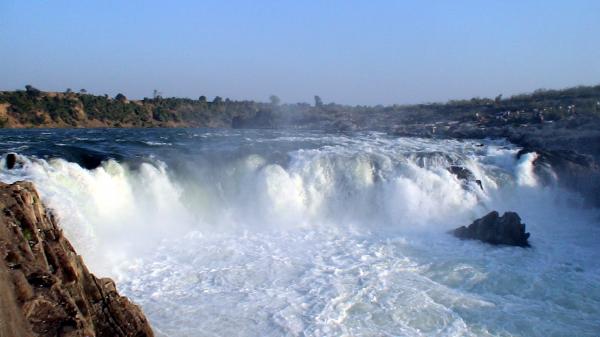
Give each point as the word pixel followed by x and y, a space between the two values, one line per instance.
pixel 31 108
pixel 34 108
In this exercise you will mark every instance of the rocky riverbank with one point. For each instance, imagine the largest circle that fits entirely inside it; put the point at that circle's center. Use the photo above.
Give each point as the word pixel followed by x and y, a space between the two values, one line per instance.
pixel 570 147
pixel 45 288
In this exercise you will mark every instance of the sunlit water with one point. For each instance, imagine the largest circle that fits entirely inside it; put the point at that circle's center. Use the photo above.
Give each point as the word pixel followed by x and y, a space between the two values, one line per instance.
pixel 272 233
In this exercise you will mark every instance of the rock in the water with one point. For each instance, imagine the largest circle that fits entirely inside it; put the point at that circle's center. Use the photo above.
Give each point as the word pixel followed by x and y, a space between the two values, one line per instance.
pixel 495 229
pixel 11 160
pixel 45 288
pixel 463 173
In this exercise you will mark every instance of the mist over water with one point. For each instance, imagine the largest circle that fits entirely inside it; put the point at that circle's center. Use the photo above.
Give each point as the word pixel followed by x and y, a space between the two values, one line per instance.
pixel 270 233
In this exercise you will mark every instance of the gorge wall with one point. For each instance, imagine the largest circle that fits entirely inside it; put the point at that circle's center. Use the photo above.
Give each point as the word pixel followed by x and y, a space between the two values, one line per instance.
pixel 45 288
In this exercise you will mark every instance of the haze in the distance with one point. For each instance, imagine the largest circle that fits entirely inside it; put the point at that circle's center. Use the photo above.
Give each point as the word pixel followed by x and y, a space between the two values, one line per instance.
pixel 354 52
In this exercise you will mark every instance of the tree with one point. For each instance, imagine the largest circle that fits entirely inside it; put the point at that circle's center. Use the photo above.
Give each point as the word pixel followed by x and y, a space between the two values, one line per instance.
pixel 498 99
pixel 68 91
pixel 274 100
pixel 120 97
pixel 202 99
pixel 83 91
pixel 31 91
pixel 318 101
pixel 217 100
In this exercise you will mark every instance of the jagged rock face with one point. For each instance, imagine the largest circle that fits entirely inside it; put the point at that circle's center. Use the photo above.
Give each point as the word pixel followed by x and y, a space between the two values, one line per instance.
pixel 45 288
pixel 495 229
pixel 464 174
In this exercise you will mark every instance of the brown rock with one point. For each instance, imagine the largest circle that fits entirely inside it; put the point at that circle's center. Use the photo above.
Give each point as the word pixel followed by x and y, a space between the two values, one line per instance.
pixel 45 288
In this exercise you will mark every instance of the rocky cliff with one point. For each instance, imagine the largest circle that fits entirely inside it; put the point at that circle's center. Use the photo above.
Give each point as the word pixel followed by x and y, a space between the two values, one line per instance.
pixel 45 288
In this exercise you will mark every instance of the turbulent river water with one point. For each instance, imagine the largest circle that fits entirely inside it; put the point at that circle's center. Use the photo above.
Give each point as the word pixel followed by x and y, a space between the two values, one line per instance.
pixel 296 233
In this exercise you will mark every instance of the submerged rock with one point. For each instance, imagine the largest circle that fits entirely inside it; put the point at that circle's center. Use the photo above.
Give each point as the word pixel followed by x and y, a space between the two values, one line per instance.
pixel 495 229
pixel 463 173
pixel 45 288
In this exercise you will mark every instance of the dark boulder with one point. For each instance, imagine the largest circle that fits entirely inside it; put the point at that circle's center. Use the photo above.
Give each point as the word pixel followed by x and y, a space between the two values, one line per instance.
pixel 464 174
pixel 461 172
pixel 578 172
pixel 495 229
pixel 11 160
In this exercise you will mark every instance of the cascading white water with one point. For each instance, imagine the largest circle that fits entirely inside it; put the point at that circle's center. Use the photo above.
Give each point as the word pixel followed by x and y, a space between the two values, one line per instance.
pixel 344 239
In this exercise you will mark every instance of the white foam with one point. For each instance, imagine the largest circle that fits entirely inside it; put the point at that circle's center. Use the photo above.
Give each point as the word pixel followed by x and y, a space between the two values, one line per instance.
pixel 342 240
pixel 110 213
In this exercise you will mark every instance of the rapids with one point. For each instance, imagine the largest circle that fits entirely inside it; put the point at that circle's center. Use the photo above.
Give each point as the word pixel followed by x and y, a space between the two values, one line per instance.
pixel 298 233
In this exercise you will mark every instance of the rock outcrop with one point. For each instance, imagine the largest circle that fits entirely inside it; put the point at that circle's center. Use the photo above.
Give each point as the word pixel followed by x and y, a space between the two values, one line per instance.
pixel 11 160
pixel 465 175
pixel 497 230
pixel 45 288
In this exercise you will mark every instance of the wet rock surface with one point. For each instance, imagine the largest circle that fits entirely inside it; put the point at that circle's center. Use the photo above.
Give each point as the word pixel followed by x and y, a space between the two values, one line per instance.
pixel 45 287
pixel 464 174
pixel 495 229
pixel 571 148
pixel 11 160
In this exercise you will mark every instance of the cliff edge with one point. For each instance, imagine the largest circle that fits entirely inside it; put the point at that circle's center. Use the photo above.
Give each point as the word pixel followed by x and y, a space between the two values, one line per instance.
pixel 45 288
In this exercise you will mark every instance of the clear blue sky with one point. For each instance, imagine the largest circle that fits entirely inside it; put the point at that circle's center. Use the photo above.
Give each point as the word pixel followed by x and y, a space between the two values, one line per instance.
pixel 356 52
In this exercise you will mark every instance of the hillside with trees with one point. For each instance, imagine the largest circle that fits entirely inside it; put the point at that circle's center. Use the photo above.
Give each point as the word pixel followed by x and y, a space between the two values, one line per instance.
pixel 35 108
pixel 562 126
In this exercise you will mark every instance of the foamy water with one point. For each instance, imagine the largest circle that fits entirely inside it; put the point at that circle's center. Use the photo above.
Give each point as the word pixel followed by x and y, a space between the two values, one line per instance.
pixel 261 233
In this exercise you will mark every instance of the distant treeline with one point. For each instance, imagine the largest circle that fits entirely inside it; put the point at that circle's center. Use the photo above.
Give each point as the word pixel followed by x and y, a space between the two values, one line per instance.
pixel 34 108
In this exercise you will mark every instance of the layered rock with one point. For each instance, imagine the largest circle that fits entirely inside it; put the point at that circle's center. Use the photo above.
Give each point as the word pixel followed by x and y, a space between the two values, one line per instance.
pixel 45 288
pixel 495 229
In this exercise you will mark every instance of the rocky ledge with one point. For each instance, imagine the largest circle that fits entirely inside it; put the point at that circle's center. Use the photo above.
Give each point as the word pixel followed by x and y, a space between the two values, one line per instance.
pixel 495 229
pixel 45 288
